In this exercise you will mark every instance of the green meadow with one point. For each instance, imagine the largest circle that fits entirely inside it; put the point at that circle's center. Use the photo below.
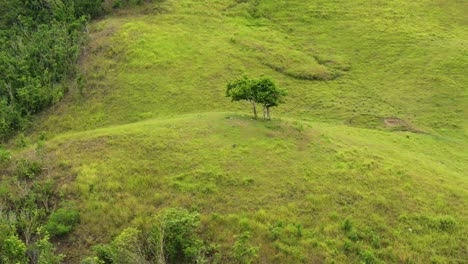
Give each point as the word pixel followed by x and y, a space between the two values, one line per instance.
pixel 366 162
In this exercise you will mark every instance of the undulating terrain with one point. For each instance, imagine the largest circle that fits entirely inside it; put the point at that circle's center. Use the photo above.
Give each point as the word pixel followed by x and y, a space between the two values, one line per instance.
pixel 366 162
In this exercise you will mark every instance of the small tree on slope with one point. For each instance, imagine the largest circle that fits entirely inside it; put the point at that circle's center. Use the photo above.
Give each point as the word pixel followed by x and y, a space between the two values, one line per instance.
pixel 269 95
pixel 262 91
pixel 241 90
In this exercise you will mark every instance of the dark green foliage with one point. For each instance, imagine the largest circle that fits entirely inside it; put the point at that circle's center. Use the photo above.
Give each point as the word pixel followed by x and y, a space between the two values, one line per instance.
pixel 103 253
pixel 97 8
pixel 62 221
pixel 40 43
pixel 173 236
pixel 347 225
pixel 92 8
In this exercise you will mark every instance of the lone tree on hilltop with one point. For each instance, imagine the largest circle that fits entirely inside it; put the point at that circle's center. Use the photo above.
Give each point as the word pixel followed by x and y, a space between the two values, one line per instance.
pixel 269 95
pixel 241 90
pixel 262 91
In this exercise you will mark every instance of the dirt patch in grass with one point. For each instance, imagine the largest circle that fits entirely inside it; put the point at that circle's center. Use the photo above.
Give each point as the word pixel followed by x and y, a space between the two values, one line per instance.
pixel 394 122
pixel 397 124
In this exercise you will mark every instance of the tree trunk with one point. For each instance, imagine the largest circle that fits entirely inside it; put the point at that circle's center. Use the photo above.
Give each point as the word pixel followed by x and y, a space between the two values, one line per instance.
pixel 268 113
pixel 264 113
pixel 254 109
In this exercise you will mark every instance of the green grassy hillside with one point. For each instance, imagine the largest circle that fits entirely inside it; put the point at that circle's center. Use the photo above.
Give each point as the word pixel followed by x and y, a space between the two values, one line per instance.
pixel 329 180
pixel 381 59
pixel 271 178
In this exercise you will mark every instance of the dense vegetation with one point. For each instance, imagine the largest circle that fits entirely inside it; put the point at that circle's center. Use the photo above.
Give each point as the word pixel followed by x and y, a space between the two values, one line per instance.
pixel 40 42
pixel 145 160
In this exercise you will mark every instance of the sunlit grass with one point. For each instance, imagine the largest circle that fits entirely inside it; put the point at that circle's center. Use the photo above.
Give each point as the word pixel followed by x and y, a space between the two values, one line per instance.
pixel 325 180
pixel 275 179
pixel 383 59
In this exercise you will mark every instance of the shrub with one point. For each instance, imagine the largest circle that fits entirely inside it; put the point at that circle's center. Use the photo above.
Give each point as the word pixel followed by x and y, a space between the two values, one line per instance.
pixel 62 221
pixel 368 257
pixel 21 141
pixel 27 169
pixel 126 248
pixel 173 236
pixel 47 252
pixel 347 225
pixel 92 260
pixel 92 8
pixel 103 253
pixel 242 252
pixel 12 250
pixel 5 156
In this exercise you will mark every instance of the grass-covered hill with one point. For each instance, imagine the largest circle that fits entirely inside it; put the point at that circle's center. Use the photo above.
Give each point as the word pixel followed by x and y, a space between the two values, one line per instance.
pixel 292 184
pixel 379 59
pixel 366 161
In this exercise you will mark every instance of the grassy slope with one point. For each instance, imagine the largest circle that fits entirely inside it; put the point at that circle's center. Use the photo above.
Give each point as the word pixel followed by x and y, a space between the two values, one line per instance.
pixel 385 183
pixel 394 58
pixel 406 60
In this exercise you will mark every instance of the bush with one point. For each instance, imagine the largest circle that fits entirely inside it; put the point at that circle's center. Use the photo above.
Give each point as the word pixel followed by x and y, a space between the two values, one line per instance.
pixel 12 250
pixel 5 156
pixel 242 252
pixel 92 8
pixel 28 169
pixel 175 233
pixel 47 252
pixel 368 257
pixel 103 253
pixel 172 239
pixel 126 248
pixel 62 221
pixel 92 260
pixel 347 225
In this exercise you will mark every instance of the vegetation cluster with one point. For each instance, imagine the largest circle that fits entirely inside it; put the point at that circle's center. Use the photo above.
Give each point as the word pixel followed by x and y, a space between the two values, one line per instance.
pixel 31 213
pixel 40 43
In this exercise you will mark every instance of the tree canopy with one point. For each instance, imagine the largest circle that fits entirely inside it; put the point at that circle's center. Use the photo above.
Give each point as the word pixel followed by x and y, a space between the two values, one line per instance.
pixel 262 91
